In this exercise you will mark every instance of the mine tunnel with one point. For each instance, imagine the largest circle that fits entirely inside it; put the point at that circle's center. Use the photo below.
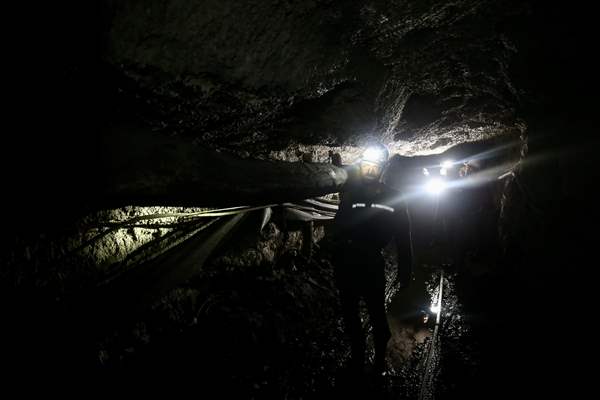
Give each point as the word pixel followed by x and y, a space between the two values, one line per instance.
pixel 173 172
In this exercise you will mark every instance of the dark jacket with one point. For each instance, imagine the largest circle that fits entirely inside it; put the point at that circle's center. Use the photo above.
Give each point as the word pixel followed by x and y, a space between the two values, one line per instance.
pixel 370 216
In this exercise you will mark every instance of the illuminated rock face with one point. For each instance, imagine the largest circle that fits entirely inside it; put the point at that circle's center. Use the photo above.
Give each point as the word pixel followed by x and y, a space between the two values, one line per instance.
pixel 266 75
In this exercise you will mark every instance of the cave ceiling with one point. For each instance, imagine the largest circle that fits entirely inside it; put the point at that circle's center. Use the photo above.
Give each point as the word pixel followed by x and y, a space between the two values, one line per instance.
pixel 274 79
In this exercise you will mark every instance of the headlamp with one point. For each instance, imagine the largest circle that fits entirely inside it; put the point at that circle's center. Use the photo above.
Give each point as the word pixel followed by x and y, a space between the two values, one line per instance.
pixel 374 155
pixel 435 185
pixel 445 166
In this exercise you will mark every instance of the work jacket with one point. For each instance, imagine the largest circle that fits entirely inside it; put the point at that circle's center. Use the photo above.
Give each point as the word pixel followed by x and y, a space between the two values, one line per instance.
pixel 371 215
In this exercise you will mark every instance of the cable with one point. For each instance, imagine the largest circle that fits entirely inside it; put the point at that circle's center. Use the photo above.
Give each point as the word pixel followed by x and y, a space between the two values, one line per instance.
pixel 199 214
pixel 426 375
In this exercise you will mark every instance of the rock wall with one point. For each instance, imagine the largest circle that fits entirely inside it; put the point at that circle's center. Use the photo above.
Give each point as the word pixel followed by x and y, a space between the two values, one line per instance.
pixel 422 75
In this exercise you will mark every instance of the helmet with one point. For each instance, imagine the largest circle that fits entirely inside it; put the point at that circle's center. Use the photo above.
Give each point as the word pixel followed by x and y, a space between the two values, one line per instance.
pixel 373 161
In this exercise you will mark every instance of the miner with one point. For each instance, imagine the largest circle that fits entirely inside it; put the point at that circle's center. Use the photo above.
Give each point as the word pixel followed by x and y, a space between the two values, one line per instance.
pixel 371 216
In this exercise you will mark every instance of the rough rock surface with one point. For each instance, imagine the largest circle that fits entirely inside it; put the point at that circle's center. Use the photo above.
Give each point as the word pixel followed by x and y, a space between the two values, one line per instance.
pixel 422 75
pixel 292 80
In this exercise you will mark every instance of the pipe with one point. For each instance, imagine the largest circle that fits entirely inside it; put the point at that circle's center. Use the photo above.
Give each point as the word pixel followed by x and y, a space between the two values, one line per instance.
pixel 149 169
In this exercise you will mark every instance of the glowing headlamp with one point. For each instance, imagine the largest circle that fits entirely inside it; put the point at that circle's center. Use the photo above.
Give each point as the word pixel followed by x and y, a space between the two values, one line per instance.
pixel 374 155
pixel 445 166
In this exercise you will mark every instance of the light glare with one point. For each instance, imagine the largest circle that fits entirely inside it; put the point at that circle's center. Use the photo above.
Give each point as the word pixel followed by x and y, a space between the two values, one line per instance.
pixel 435 186
pixel 447 165
pixel 373 154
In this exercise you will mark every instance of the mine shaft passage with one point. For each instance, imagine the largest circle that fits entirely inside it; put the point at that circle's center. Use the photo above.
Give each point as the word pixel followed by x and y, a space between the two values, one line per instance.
pixel 300 199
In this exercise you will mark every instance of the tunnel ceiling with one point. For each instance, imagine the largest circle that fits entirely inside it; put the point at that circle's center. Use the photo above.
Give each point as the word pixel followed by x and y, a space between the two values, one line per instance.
pixel 262 77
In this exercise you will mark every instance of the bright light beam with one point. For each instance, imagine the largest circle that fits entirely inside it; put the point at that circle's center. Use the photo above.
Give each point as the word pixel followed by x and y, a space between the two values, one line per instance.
pixel 447 164
pixel 435 186
pixel 491 153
